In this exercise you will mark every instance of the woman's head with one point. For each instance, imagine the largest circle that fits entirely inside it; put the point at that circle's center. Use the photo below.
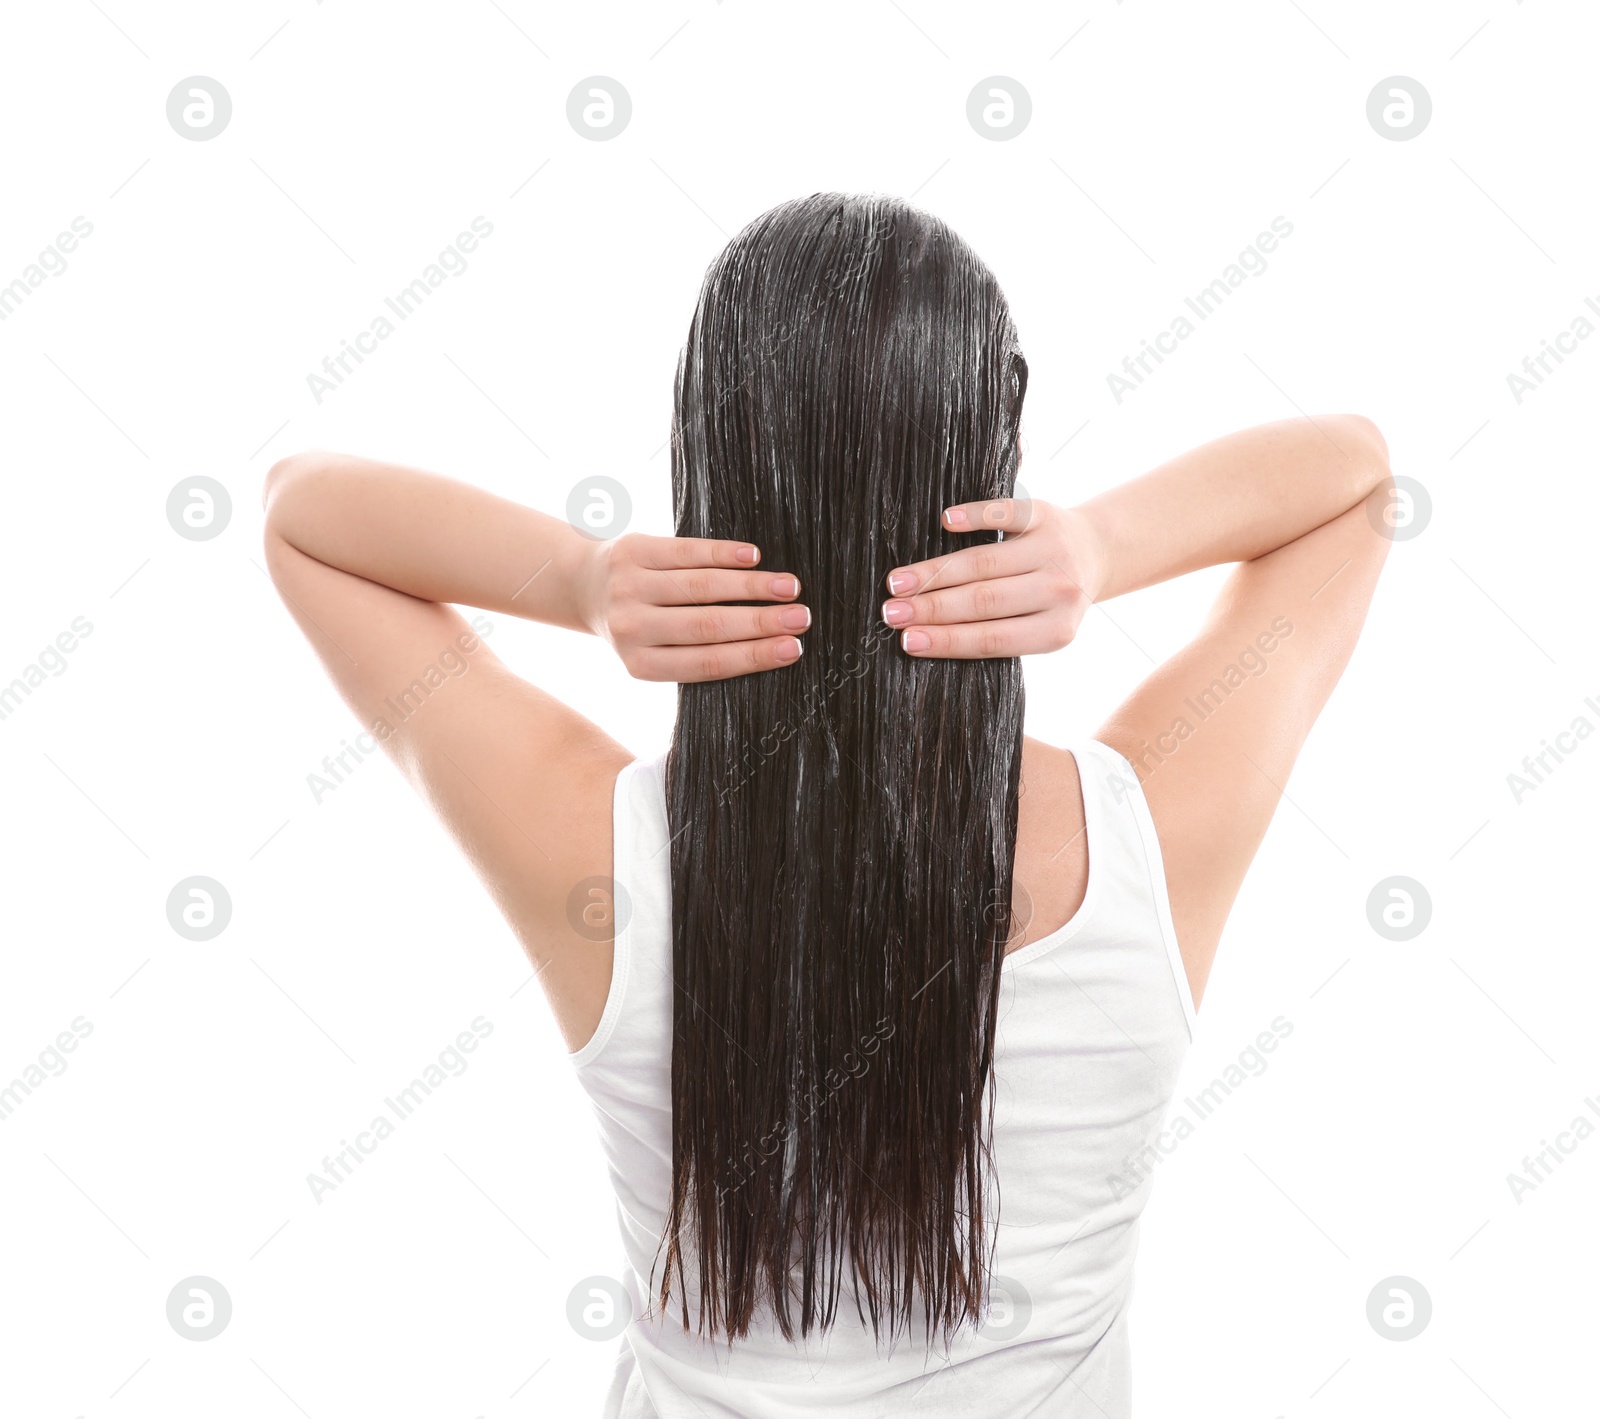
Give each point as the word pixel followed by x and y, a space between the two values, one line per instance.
pixel 843 828
pixel 851 370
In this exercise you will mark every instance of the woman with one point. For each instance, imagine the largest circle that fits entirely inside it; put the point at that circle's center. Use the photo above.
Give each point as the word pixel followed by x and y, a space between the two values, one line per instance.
pixel 879 1001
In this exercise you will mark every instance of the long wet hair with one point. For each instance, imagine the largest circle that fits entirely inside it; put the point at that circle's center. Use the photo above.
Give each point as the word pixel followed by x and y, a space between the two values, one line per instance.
pixel 843 828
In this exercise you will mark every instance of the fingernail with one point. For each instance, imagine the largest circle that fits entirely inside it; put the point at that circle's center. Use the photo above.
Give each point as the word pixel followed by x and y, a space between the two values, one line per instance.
pixel 789 651
pixel 901 582
pixel 914 640
pixel 795 618
pixel 748 555
pixel 785 586
pixel 897 613
pixel 956 517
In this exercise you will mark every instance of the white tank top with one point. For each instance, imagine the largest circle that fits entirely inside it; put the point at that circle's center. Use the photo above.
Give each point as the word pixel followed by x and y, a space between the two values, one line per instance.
pixel 1094 1021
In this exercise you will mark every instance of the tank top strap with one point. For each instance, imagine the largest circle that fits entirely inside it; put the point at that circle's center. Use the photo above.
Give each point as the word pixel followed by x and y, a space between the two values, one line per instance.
pixel 640 891
pixel 1131 869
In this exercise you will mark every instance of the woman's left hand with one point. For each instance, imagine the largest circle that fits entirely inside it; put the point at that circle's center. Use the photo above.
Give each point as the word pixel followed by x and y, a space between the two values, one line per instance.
pixel 1024 595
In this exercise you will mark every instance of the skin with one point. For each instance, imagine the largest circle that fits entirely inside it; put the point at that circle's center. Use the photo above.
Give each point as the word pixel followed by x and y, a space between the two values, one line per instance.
pixel 370 559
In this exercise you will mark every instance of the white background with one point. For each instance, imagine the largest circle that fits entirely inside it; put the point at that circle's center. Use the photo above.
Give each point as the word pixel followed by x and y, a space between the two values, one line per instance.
pixel 178 739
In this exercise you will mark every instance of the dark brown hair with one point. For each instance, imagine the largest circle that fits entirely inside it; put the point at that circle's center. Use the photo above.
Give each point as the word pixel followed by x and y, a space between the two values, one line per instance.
pixel 843 828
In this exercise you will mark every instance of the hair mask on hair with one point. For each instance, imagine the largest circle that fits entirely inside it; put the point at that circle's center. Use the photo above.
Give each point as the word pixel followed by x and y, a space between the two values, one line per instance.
pixel 843 828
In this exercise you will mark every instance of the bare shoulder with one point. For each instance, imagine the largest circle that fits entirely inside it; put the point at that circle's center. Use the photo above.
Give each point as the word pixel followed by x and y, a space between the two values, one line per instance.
pixel 1052 856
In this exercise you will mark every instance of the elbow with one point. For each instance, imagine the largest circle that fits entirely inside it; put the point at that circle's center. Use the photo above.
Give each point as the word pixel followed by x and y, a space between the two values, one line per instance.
pixel 1386 509
pixel 1354 455
pixel 1370 445
pixel 283 497
pixel 277 476
pixel 287 471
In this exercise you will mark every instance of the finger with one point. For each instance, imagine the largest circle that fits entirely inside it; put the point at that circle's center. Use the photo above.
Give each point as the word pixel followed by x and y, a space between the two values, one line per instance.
pixel 990 600
pixel 669 553
pixel 705 586
pixel 980 563
pixel 693 664
pixel 992 515
pixel 713 625
pixel 990 640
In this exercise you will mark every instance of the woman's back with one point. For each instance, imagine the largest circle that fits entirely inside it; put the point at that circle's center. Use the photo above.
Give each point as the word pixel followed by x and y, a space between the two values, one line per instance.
pixel 1094 1019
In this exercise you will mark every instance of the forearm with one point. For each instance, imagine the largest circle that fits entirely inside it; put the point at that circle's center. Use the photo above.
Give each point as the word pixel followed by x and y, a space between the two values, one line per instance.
pixel 431 537
pixel 1231 500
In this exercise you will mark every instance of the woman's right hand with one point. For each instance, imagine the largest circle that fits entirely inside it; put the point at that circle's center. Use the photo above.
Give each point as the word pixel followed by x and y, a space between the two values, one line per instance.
pixel 656 600
pixel 1024 595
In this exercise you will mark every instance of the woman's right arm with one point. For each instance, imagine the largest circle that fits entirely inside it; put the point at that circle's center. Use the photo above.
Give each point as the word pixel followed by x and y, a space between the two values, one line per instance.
pixel 1214 732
